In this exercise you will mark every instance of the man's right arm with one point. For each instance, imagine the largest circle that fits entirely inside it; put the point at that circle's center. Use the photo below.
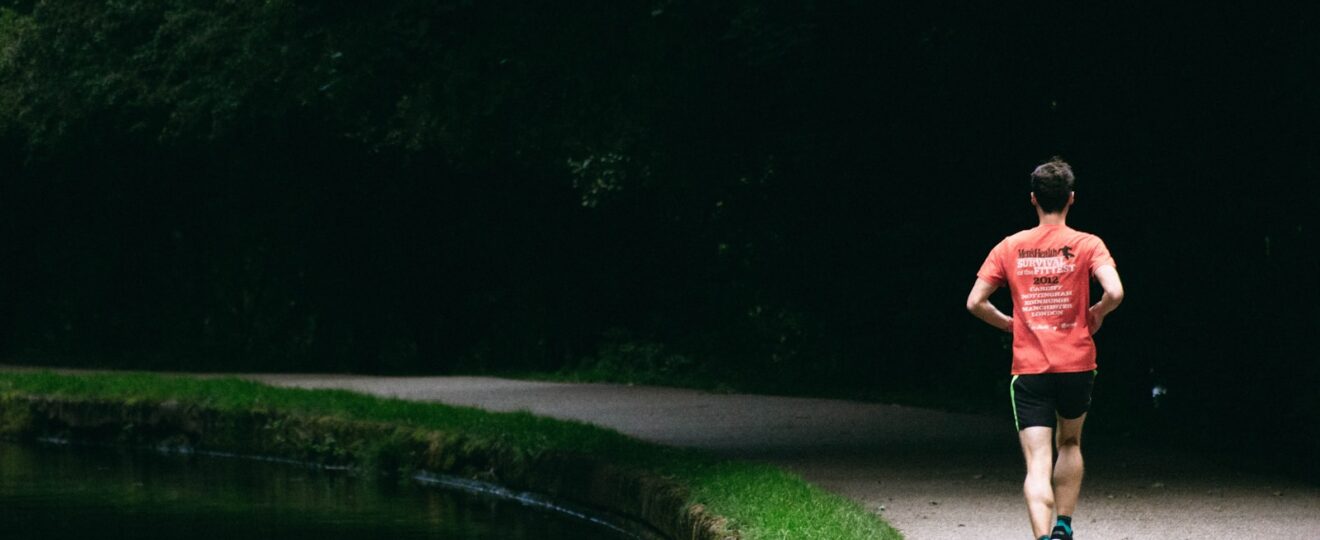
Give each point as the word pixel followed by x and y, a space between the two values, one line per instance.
pixel 1113 287
pixel 978 302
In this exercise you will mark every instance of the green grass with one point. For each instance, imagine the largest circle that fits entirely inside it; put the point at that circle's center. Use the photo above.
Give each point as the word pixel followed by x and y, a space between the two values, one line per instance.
pixel 760 501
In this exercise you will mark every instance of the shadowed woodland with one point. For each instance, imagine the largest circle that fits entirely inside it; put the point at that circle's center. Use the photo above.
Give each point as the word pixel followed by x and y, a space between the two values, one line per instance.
pixel 783 196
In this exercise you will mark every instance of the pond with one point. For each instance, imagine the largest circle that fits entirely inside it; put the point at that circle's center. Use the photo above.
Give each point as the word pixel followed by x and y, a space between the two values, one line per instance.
pixel 53 491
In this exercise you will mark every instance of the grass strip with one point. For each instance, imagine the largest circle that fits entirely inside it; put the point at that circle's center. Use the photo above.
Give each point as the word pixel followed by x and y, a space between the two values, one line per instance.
pixel 760 501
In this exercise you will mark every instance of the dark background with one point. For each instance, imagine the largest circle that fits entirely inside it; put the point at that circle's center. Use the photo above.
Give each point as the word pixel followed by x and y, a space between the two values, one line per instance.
pixel 759 195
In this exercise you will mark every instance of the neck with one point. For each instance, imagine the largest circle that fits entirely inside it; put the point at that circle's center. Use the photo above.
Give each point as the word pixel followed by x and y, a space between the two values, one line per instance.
pixel 1052 219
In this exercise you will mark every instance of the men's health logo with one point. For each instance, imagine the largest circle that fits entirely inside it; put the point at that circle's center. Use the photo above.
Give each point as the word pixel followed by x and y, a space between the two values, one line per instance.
pixel 1047 253
pixel 1038 261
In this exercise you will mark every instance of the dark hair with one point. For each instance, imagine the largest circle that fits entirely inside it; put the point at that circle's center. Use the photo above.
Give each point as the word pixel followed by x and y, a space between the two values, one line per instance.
pixel 1052 182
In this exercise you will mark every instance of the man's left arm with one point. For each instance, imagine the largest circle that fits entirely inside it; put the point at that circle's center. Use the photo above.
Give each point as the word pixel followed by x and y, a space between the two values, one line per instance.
pixel 978 302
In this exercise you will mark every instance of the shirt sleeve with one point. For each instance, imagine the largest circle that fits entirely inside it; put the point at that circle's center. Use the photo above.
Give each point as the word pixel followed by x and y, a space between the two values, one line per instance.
pixel 1100 256
pixel 992 270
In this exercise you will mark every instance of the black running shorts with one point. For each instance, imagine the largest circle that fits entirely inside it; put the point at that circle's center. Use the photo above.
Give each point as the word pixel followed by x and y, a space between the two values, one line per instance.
pixel 1038 398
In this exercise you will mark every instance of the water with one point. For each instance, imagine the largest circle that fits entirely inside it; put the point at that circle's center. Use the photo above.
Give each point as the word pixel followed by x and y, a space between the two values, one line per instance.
pixel 60 492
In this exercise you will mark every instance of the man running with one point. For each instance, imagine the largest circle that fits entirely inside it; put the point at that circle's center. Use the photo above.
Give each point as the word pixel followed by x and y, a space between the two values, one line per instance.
pixel 1047 270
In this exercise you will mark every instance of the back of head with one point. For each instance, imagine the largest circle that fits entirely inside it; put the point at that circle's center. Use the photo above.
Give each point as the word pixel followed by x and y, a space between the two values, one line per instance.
pixel 1052 182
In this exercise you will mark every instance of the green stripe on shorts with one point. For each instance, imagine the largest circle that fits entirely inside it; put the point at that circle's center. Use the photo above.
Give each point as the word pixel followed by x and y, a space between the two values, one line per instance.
pixel 1012 397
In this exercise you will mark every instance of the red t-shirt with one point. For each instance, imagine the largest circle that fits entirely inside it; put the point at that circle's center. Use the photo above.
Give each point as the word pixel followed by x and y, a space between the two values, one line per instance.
pixel 1047 270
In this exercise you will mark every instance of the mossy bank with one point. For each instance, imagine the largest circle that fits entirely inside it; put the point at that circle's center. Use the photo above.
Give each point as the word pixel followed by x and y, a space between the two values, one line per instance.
pixel 681 493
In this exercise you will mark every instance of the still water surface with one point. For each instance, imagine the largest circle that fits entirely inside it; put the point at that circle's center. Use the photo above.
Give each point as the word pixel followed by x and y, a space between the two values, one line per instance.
pixel 60 492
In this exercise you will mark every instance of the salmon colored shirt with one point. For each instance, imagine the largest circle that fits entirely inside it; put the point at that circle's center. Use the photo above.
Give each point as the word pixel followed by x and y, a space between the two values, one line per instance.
pixel 1048 271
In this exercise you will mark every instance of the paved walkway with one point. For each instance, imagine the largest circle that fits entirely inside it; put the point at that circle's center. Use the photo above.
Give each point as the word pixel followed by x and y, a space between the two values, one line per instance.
pixel 933 475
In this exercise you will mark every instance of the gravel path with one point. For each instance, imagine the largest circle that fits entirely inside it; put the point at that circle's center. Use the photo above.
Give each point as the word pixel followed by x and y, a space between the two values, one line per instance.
pixel 933 475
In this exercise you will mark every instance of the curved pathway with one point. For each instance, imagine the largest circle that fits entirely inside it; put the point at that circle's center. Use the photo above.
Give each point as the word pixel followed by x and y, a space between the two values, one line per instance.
pixel 933 475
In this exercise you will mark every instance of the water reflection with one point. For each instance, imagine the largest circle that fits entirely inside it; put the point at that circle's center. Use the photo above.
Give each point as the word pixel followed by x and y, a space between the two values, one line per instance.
pixel 59 492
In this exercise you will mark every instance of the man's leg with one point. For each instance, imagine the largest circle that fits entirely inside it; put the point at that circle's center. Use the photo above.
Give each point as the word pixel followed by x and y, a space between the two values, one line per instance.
pixel 1038 449
pixel 1074 399
pixel 1068 468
